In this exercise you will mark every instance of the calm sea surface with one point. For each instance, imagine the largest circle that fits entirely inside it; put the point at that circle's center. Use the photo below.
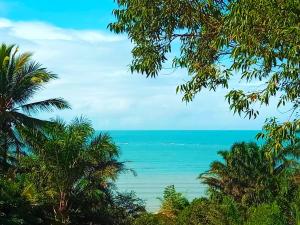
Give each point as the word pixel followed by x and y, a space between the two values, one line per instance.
pixel 162 158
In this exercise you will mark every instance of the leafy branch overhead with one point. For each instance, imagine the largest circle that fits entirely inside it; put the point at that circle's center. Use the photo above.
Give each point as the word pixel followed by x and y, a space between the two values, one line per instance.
pixel 256 41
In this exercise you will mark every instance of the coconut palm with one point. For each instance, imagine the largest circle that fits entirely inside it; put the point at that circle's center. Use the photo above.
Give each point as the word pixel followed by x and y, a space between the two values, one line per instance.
pixel 70 162
pixel 20 79
pixel 248 174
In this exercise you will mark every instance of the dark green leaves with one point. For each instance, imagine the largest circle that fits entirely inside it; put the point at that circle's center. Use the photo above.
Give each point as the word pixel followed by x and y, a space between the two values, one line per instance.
pixel 20 79
pixel 257 40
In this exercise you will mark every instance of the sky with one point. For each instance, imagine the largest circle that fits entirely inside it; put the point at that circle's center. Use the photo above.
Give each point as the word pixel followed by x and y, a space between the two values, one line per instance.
pixel 71 39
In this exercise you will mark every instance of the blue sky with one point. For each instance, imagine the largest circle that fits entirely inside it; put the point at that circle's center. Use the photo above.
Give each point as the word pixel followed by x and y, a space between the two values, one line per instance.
pixel 78 14
pixel 70 38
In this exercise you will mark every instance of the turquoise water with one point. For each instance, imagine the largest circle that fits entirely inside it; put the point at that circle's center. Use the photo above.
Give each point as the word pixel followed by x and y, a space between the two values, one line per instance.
pixel 162 158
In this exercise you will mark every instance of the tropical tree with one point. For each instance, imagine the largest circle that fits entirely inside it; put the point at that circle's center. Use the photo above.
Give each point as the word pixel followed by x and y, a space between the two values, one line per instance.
pixel 20 79
pixel 249 176
pixel 172 202
pixel 211 211
pixel 15 209
pixel 154 219
pixel 265 214
pixel 70 162
pixel 220 41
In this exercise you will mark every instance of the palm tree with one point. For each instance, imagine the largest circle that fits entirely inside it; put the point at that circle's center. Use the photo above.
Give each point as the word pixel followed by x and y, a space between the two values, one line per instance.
pixel 20 79
pixel 70 161
pixel 248 173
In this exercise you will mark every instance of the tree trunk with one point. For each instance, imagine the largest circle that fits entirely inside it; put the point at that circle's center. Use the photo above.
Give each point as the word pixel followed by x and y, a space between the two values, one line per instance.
pixel 18 152
pixel 63 208
pixel 4 145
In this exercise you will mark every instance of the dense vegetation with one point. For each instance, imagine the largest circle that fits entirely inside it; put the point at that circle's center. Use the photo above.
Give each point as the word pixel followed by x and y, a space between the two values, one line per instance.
pixel 52 172
pixel 20 79
pixel 219 42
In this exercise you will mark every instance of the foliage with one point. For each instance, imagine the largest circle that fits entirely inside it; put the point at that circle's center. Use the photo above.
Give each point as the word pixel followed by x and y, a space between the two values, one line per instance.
pixel 279 136
pixel 153 219
pixel 265 214
pixel 68 176
pixel 195 213
pixel 248 175
pixel 172 202
pixel 20 79
pixel 127 207
pixel 116 209
pixel 220 41
pixel 210 212
pixel 295 207
pixel 70 161
pixel 15 209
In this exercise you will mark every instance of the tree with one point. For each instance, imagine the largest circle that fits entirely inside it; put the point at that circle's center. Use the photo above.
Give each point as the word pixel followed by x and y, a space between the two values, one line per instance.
pixel 248 175
pixel 112 209
pixel 256 41
pixel 20 79
pixel 15 209
pixel 172 202
pixel 127 207
pixel 196 213
pixel 153 219
pixel 211 211
pixel 265 214
pixel 71 166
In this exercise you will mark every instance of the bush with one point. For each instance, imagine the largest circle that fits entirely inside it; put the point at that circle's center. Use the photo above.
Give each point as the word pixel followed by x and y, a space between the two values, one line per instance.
pixel 15 209
pixel 205 211
pixel 172 202
pixel 265 214
pixel 153 219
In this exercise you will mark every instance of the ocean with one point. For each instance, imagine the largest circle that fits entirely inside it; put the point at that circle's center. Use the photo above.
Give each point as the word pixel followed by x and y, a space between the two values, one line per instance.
pixel 162 158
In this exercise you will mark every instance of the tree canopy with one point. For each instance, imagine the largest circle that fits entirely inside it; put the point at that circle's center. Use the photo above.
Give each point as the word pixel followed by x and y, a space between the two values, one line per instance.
pixel 20 79
pixel 70 160
pixel 219 41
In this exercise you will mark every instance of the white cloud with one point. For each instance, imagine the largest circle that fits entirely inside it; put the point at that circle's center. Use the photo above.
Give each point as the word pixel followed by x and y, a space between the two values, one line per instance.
pixel 38 31
pixel 95 79
pixel 94 36
pixel 4 23
pixel 46 32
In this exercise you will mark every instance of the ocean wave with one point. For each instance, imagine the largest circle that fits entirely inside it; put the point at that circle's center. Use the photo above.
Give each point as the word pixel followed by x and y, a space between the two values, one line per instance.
pixel 122 143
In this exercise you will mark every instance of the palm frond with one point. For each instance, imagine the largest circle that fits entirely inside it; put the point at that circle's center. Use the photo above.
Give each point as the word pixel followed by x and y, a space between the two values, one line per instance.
pixel 46 105
pixel 27 121
pixel 28 81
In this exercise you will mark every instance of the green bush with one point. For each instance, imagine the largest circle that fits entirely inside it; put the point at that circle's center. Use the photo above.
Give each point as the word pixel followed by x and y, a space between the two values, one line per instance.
pixel 172 202
pixel 265 214
pixel 205 211
pixel 153 219
pixel 15 209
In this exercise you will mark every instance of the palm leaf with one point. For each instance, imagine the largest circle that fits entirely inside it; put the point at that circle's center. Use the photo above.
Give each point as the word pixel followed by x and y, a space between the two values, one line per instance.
pixel 27 121
pixel 46 105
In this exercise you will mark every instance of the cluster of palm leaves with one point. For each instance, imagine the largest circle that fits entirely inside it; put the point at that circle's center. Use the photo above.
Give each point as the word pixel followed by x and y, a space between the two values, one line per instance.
pixel 52 172
pixel 255 177
pixel 69 160
pixel 20 79
pixel 249 174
